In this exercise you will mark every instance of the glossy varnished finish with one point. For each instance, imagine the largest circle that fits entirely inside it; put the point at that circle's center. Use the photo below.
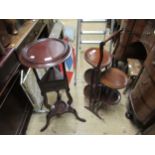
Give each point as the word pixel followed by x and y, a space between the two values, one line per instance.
pixel 92 56
pixel 45 53
pixel 114 78
pixel 49 53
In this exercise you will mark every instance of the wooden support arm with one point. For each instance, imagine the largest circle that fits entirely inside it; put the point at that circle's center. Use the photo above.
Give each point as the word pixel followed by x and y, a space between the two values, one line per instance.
pixel 115 34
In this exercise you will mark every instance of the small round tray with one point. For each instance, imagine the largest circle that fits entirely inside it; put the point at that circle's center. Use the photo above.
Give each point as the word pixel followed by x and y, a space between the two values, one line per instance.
pixel 45 53
pixel 114 78
pixel 92 56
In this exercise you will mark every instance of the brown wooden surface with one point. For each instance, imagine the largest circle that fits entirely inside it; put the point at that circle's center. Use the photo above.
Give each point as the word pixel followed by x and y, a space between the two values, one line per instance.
pixel 133 30
pixel 148 36
pixel 142 98
pixel 141 110
pixel 145 87
pixel 45 53
pixel 114 78
pixel 127 25
pixel 150 63
pixel 16 40
pixel 115 34
pixel 138 40
pixel 92 57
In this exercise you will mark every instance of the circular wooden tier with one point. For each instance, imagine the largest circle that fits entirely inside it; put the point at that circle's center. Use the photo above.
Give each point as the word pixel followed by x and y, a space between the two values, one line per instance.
pixel 107 96
pixel 87 75
pixel 92 56
pixel 114 78
pixel 45 53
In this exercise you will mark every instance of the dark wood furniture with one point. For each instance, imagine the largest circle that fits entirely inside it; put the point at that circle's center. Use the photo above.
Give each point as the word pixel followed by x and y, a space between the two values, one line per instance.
pixel 138 41
pixel 103 84
pixel 49 53
pixel 15 108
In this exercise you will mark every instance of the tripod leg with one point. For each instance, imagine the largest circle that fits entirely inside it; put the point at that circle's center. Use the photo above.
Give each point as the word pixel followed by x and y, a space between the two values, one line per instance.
pixel 51 114
pixel 47 123
pixel 70 100
pixel 73 111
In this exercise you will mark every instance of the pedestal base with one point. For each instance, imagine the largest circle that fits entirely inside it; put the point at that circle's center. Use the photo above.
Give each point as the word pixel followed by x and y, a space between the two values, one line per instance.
pixel 59 108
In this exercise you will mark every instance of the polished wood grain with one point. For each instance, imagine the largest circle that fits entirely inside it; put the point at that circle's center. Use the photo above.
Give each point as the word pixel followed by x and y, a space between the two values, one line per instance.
pixel 114 78
pixel 92 56
pixel 45 53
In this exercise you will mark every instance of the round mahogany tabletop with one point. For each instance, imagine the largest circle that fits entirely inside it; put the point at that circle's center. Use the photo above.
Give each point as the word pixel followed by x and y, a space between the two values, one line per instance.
pixel 45 53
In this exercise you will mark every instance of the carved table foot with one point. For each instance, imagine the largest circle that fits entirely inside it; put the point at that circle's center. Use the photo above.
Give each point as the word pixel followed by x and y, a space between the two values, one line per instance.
pixel 73 111
pixel 59 108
